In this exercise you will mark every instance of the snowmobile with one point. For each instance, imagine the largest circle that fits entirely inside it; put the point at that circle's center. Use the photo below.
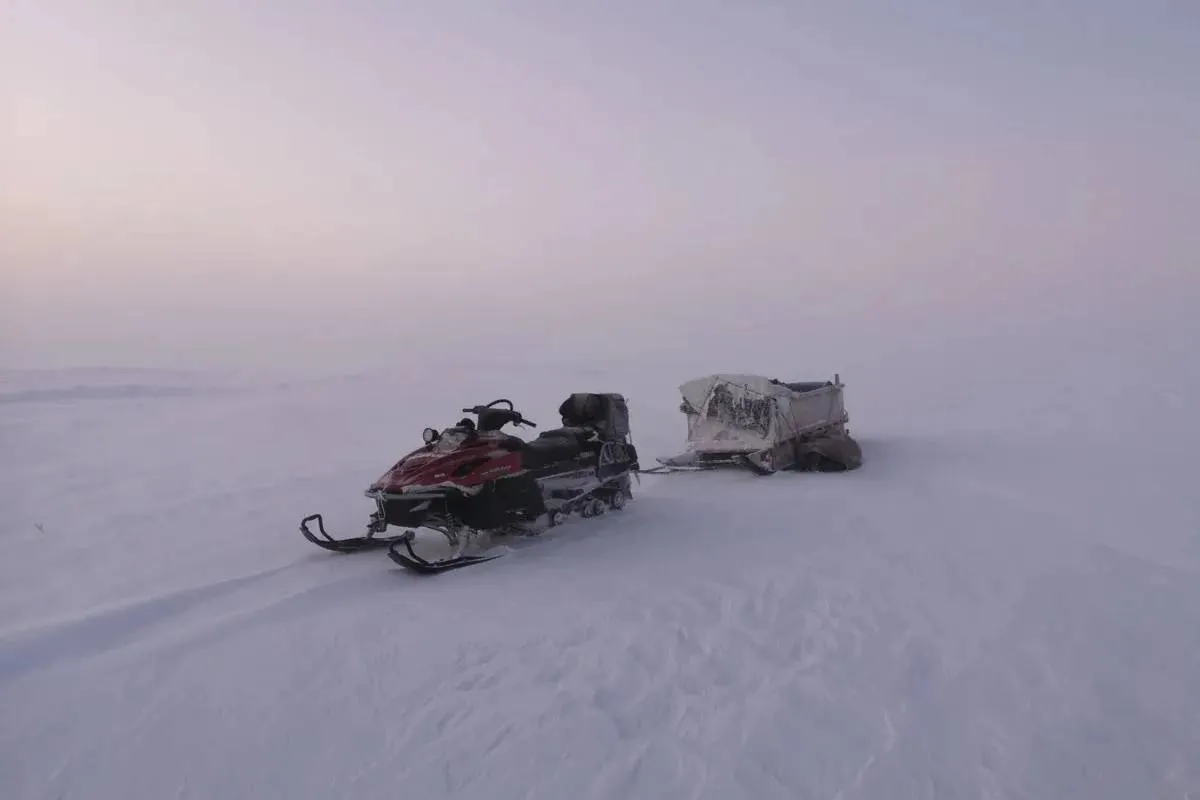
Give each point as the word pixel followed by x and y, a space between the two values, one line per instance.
pixel 764 424
pixel 472 482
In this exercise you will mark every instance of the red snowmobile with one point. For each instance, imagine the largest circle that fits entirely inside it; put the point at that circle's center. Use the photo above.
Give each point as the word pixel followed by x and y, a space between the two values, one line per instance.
pixel 473 481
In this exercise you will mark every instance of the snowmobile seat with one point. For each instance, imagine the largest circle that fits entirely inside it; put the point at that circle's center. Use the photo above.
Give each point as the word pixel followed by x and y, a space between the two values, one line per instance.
pixel 607 414
pixel 550 448
pixel 576 432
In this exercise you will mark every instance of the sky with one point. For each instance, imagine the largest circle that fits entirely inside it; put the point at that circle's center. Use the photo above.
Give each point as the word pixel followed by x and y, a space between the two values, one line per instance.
pixel 336 186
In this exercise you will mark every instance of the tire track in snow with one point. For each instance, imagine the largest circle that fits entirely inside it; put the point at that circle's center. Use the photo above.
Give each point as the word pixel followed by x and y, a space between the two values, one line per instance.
pixel 48 645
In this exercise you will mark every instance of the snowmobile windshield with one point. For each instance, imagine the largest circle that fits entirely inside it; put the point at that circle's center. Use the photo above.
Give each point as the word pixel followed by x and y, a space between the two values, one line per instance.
pixel 450 439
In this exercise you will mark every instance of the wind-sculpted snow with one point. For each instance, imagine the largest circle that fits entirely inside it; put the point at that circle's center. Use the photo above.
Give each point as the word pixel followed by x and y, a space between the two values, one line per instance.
pixel 983 612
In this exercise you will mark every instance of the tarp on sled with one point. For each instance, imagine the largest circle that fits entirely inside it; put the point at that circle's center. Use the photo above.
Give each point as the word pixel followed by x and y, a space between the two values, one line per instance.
pixel 777 424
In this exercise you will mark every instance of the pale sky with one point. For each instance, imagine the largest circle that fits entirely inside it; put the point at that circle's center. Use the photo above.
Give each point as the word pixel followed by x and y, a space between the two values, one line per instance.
pixel 345 184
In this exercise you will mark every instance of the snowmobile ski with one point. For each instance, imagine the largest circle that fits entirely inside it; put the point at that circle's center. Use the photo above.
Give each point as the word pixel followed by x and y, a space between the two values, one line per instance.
pixel 354 544
pixel 414 563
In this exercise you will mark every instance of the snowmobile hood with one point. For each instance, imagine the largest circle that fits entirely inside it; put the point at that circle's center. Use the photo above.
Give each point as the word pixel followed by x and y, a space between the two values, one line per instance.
pixel 466 466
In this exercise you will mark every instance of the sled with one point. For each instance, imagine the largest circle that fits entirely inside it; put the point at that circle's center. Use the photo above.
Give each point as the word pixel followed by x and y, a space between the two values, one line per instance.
pixel 764 425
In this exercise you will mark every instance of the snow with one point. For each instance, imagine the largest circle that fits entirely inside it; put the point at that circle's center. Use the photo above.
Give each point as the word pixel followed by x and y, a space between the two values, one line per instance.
pixel 1003 602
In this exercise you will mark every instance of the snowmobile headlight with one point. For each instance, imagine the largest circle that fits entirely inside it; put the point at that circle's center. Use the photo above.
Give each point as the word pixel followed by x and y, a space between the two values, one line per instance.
pixel 429 435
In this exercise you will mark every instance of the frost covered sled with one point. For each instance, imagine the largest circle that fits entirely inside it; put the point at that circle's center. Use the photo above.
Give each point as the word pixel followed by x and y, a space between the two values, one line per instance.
pixel 473 482
pixel 764 424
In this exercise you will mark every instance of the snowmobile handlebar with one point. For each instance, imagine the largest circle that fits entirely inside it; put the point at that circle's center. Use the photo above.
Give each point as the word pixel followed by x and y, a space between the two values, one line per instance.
pixel 510 413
